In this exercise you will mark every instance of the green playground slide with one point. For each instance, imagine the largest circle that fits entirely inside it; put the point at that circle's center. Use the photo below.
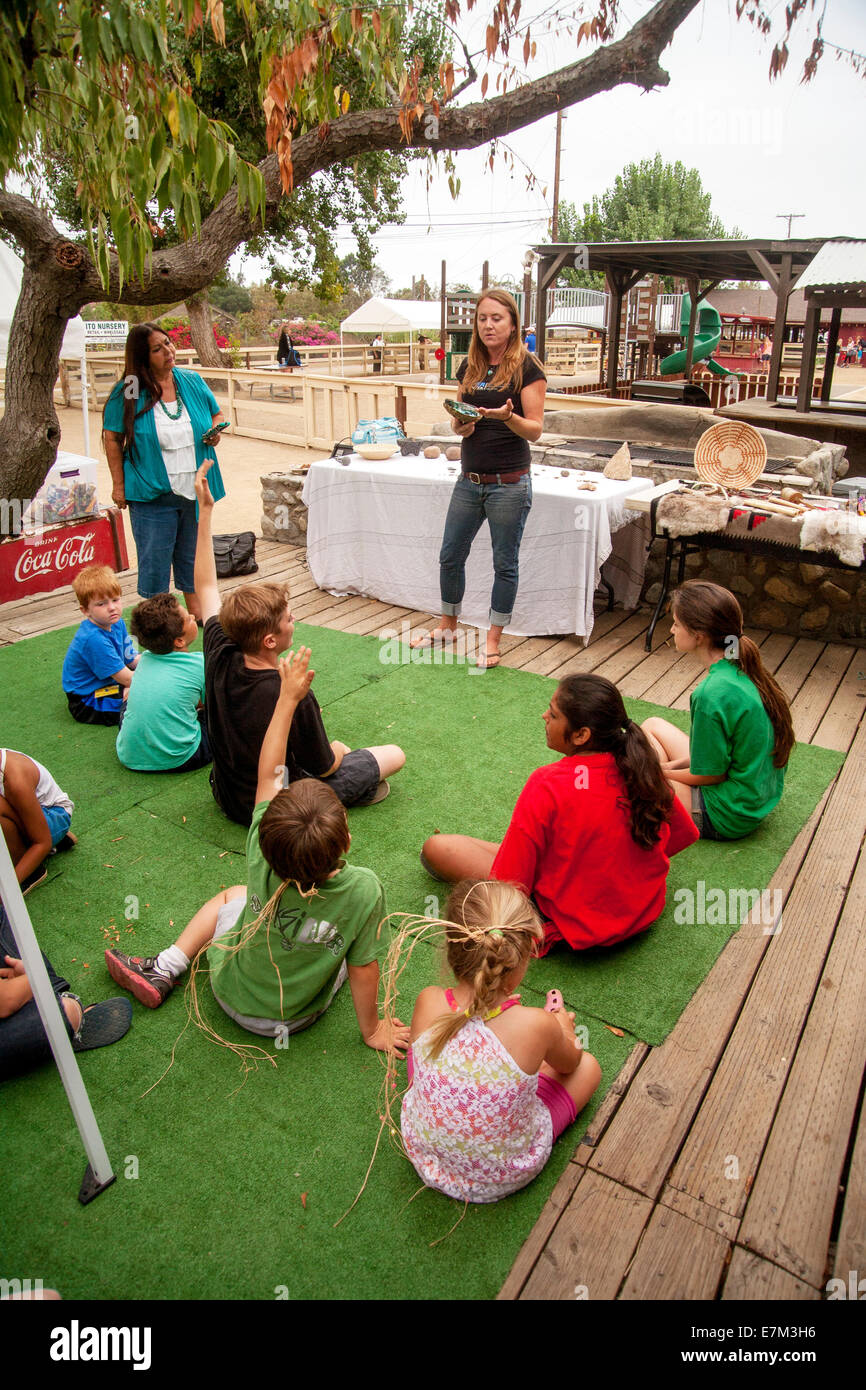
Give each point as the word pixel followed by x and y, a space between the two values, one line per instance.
pixel 707 339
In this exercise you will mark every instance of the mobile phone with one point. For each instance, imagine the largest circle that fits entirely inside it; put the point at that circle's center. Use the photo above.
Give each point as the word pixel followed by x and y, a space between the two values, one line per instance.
pixel 214 432
pixel 462 412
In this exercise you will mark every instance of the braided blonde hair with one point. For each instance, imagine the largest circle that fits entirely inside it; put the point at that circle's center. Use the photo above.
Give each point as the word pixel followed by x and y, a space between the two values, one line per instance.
pixel 490 931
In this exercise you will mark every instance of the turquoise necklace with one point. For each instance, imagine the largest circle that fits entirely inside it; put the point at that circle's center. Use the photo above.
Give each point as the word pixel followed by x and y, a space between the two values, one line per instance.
pixel 173 414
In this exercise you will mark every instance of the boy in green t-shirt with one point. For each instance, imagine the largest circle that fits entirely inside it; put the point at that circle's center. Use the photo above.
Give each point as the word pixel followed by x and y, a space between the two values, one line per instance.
pixel 279 949
pixel 162 724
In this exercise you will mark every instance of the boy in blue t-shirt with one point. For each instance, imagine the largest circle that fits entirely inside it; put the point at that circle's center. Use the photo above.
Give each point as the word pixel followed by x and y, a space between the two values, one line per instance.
pixel 98 667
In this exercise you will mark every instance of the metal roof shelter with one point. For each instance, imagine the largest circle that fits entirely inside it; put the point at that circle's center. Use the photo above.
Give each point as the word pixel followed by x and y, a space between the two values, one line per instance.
pixel 834 280
pixel 624 263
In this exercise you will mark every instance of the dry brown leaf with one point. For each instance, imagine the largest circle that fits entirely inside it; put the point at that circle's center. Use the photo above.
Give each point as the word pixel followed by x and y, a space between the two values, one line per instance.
pixel 617 1032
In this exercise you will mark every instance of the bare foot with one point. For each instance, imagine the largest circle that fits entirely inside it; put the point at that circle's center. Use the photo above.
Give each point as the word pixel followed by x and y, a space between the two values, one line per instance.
pixel 441 635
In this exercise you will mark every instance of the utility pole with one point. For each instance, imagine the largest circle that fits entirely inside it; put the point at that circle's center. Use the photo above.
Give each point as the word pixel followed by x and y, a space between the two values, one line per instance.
pixel 791 217
pixel 554 221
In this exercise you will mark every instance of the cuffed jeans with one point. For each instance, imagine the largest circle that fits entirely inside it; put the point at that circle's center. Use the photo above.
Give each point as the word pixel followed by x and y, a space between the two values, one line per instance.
pixel 505 506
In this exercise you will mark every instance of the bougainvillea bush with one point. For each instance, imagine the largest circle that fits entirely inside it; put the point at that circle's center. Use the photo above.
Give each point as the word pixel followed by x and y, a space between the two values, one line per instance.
pixel 178 331
pixel 308 333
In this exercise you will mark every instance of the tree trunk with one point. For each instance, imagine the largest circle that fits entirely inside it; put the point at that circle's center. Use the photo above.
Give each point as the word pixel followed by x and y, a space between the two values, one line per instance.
pixel 30 429
pixel 201 331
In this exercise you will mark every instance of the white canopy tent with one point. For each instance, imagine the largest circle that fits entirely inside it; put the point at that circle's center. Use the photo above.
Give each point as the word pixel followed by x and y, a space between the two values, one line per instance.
pixel 393 316
pixel 11 273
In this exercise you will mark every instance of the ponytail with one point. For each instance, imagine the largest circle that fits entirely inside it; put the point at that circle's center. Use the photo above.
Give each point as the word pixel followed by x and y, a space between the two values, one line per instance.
pixel 773 699
pixel 704 607
pixel 595 703
pixel 650 795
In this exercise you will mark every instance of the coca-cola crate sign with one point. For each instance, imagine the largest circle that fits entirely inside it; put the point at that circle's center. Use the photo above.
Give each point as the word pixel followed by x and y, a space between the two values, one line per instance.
pixel 52 558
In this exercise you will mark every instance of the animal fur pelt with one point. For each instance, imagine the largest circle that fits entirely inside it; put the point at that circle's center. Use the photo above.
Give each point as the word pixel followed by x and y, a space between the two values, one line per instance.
pixel 686 514
pixel 842 532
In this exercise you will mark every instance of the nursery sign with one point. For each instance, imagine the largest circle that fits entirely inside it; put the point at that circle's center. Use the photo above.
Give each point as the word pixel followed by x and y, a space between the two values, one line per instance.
pixel 105 331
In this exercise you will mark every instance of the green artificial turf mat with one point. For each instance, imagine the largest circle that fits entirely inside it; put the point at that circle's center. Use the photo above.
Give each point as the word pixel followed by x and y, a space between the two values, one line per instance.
pixel 493 734
pixel 216 1210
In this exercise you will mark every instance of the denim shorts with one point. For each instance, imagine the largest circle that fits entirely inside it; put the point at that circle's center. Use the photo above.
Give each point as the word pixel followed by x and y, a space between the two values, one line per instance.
pixel 59 820
pixel 165 532
pixel 701 817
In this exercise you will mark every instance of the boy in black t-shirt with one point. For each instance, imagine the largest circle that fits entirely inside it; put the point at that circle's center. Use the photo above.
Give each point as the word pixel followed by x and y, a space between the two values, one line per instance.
pixel 243 640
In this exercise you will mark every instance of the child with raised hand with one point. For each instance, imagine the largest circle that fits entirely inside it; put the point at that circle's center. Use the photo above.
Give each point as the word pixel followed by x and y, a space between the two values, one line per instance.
pixel 162 723
pixel 244 634
pixel 100 660
pixel 729 772
pixel 592 835
pixel 279 949
pixel 493 1083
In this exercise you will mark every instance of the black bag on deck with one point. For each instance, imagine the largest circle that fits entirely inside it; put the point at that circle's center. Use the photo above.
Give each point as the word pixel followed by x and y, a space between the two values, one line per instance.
pixel 235 554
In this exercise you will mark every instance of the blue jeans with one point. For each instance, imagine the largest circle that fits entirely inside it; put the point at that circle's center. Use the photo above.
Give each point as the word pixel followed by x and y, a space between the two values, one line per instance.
pixel 165 532
pixel 23 1039
pixel 505 506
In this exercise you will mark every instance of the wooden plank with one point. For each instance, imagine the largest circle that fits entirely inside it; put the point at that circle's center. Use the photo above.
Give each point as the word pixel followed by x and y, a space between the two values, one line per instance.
pixel 561 650
pixel 816 693
pixel 531 650
pixel 623 661
pixel 676 1259
pixel 739 1108
pixel 592 1243
pixel 669 689
pixel 587 658
pixel 839 725
pixel 701 1213
pixel 613 1097
pixel 541 1232
pixel 851 1240
pixel 648 1129
pixel 653 668
pixel 756 1280
pixel 797 665
pixel 790 1209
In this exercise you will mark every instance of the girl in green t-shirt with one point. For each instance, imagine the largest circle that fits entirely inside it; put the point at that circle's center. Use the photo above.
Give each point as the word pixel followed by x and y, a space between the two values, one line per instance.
pixel 729 772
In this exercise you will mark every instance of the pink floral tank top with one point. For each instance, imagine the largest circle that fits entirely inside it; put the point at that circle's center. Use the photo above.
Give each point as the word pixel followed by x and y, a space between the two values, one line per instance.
pixel 472 1123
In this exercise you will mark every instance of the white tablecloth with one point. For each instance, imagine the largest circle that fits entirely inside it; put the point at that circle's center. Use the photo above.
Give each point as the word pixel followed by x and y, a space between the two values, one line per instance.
pixel 376 529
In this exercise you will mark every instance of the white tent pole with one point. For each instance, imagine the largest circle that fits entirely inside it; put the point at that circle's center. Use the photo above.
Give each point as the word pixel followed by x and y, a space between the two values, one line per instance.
pixel 99 1173
pixel 84 406
pixel 342 360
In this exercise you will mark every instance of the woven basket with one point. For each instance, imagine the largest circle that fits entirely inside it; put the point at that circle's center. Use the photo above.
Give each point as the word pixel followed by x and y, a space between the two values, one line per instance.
pixel 731 454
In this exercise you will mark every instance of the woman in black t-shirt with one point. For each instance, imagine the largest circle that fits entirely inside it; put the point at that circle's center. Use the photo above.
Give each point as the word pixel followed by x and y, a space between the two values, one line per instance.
pixel 506 383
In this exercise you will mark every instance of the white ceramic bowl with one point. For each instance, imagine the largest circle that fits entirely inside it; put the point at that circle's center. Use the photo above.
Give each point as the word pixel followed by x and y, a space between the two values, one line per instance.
pixel 376 453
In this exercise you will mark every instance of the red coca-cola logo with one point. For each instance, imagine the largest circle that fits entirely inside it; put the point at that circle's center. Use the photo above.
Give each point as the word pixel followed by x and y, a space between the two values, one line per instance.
pixel 70 553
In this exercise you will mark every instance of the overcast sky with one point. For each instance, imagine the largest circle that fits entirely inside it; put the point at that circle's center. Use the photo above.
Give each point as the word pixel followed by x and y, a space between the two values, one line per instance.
pixel 761 148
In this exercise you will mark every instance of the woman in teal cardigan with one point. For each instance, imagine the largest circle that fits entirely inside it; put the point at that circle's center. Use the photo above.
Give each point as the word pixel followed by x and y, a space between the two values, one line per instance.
pixel 157 430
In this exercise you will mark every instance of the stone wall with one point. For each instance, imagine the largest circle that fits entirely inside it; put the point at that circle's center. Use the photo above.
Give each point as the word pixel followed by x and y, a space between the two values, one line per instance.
pixel 803 600
pixel 284 515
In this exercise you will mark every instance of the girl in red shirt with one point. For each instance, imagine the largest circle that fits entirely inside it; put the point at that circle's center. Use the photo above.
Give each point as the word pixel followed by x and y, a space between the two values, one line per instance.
pixel 591 836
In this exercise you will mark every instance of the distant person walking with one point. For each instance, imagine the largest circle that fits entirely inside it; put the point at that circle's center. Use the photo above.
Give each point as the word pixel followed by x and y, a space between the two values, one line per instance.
pixel 377 345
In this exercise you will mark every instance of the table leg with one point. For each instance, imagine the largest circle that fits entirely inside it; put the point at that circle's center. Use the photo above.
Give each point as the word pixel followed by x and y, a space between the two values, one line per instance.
pixel 670 542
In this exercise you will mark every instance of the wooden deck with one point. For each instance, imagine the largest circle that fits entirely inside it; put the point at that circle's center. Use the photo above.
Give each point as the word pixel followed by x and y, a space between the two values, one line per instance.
pixel 729 1163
